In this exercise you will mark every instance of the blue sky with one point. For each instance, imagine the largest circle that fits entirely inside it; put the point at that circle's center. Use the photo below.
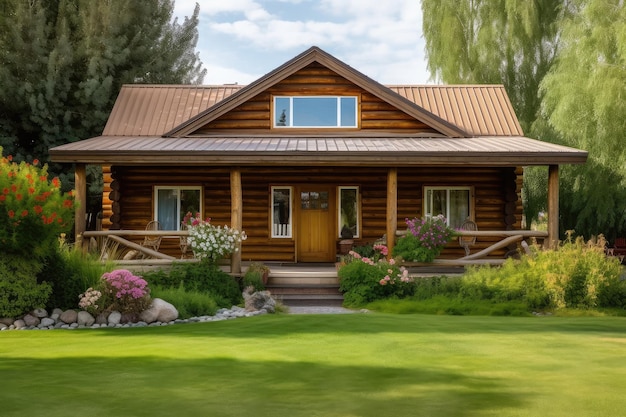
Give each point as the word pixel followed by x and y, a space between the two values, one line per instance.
pixel 241 40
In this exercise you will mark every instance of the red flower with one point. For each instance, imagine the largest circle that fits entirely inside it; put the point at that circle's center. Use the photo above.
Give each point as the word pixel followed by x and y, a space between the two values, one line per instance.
pixel 31 190
pixel 43 178
pixel 10 157
pixel 11 213
pixel 3 197
pixel 67 203
pixel 35 161
pixel 38 209
pixel 24 213
pixel 13 187
pixel 5 191
pixel 18 197
pixel 56 182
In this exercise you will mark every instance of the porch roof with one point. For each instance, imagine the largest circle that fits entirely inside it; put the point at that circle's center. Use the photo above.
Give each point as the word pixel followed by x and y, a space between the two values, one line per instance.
pixel 317 150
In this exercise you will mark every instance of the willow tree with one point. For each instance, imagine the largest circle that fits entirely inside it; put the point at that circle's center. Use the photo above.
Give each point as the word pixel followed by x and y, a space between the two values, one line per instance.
pixel 562 64
pixel 584 100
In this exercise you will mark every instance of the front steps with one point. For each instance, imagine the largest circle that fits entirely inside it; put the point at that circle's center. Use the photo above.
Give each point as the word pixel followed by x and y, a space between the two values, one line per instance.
pixel 305 287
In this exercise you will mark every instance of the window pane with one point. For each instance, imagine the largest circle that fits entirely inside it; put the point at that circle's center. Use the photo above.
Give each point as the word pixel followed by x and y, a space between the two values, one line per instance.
pixel 348 212
pixel 314 111
pixel 438 203
pixel 348 111
pixel 167 200
pixel 281 111
pixel 189 202
pixel 281 212
pixel 459 207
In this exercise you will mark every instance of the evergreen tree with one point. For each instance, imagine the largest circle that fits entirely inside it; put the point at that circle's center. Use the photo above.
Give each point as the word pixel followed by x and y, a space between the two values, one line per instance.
pixel 64 61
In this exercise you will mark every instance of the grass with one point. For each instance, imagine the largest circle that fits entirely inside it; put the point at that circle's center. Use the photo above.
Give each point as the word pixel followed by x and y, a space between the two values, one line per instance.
pixel 322 365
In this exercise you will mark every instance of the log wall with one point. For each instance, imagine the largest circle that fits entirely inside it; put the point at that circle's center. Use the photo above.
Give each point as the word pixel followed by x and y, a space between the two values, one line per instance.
pixel 255 115
pixel 497 204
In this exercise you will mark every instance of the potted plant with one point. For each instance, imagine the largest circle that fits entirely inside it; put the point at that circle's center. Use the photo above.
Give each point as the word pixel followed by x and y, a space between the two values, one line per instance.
pixel 260 268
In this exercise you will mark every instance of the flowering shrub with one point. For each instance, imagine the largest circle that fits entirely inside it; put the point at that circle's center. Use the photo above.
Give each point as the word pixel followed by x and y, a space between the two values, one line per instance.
pixel 425 239
pixel 89 299
pixel 364 279
pixel 211 242
pixel 33 210
pixel 128 293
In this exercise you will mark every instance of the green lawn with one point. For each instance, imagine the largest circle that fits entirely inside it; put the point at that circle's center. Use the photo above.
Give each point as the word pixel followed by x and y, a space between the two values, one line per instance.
pixel 322 365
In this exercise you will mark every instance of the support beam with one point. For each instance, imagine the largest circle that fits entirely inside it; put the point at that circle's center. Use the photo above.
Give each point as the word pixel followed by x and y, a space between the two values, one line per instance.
pixel 80 193
pixel 392 208
pixel 553 206
pixel 236 216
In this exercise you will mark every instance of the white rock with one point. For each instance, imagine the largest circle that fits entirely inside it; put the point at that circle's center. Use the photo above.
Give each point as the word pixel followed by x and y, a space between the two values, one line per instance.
pixel 114 318
pixel 46 321
pixel 19 324
pixel 40 313
pixel 85 319
pixel 159 310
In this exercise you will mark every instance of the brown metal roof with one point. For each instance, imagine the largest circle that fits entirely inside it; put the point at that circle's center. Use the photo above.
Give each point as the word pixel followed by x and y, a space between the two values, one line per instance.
pixel 151 110
pixel 477 109
pixel 294 150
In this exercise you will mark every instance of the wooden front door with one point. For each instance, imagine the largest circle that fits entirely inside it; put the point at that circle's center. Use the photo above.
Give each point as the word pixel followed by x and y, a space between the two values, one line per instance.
pixel 316 224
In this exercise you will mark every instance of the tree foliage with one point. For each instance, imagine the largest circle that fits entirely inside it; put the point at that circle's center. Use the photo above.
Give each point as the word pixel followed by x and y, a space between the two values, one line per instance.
pixel 563 64
pixel 64 61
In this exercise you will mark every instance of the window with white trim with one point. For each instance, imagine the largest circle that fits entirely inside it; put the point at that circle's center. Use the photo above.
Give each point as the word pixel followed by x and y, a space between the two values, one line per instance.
pixel 348 210
pixel 172 203
pixel 315 111
pixel 454 203
pixel 281 212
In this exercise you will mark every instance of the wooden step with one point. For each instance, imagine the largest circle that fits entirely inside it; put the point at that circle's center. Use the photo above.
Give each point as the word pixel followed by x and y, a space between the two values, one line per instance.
pixel 307 294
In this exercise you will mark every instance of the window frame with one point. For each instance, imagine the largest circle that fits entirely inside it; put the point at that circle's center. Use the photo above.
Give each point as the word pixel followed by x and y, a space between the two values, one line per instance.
pixel 358 209
pixel 448 188
pixel 273 234
pixel 178 188
pixel 338 109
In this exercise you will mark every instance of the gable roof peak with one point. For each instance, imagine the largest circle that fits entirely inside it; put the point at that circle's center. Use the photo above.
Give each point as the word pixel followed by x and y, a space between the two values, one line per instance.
pixel 315 54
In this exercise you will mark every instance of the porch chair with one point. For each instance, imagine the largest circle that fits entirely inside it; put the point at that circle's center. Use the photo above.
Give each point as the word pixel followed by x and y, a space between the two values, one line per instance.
pixel 152 242
pixel 466 241
pixel 184 242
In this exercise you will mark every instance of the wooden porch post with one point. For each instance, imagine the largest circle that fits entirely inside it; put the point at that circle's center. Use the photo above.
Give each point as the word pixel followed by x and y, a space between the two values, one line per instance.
pixel 392 208
pixel 80 213
pixel 236 208
pixel 553 206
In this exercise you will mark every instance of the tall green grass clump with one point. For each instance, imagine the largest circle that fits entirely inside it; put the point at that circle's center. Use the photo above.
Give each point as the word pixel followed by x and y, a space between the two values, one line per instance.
pixel 204 277
pixel 578 275
pixel 189 303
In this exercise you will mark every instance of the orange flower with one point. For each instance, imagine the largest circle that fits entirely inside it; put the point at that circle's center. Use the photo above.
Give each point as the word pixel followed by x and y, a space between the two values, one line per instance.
pixel 56 182
pixel 35 161
pixel 31 190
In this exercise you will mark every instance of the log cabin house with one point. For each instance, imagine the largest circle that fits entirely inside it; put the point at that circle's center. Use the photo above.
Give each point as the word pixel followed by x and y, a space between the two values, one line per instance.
pixel 308 150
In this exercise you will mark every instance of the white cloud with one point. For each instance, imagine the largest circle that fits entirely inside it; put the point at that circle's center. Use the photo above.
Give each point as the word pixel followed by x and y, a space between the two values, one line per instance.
pixel 241 40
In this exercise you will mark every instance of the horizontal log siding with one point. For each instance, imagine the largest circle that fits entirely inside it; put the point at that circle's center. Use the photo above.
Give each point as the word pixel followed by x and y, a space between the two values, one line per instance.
pixel 136 191
pixel 255 115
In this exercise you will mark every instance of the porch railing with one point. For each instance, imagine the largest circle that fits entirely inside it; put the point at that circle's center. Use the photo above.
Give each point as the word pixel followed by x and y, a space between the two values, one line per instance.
pixel 482 256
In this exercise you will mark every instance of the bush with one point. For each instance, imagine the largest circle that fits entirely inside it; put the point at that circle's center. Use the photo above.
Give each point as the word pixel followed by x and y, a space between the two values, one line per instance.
pixel 252 278
pixel 189 303
pixel 19 290
pixel 33 210
pixel 424 240
pixel 363 279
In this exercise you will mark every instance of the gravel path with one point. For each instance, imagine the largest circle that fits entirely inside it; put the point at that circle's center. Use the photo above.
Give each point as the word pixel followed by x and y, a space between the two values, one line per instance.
pixel 322 310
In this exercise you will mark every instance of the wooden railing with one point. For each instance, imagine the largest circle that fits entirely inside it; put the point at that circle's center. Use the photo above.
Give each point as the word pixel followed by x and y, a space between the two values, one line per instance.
pixel 481 257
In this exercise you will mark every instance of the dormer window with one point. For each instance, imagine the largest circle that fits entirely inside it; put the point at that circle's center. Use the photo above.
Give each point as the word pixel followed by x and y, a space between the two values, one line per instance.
pixel 315 111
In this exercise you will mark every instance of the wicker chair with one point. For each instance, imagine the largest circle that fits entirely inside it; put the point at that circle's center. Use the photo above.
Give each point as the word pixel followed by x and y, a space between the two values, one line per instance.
pixel 466 241
pixel 152 242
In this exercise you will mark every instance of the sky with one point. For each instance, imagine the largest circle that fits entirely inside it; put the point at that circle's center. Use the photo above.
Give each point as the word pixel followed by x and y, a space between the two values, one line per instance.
pixel 242 40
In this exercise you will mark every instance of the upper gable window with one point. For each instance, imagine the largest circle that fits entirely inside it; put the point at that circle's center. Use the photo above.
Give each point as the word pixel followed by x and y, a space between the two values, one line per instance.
pixel 315 111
